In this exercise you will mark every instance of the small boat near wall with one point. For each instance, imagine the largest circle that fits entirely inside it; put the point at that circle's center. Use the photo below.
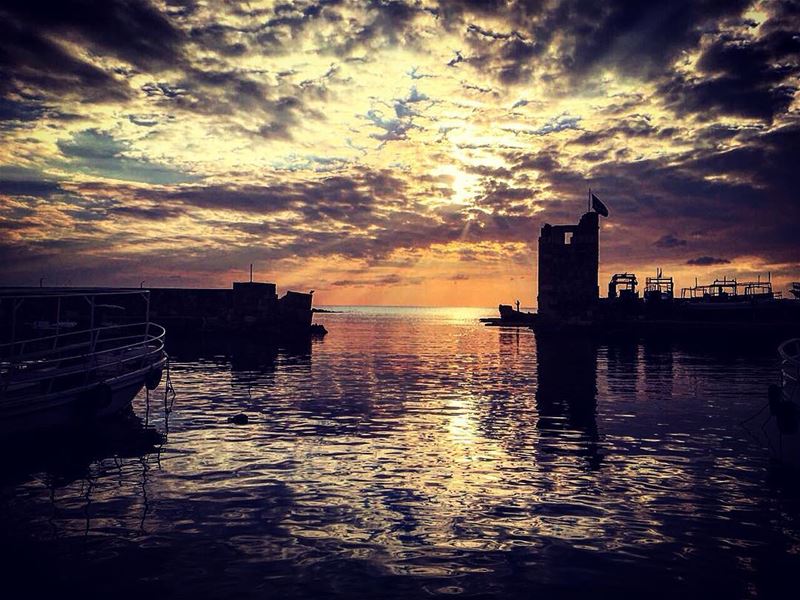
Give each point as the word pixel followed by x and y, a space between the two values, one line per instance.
pixel 53 377
pixel 511 317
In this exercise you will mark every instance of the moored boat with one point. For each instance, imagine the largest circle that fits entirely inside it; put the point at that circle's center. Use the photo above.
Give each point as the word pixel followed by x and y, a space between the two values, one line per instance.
pixel 85 373
pixel 511 317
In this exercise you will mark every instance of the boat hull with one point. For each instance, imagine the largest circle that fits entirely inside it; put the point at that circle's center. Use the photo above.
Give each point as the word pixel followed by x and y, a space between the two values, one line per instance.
pixel 74 407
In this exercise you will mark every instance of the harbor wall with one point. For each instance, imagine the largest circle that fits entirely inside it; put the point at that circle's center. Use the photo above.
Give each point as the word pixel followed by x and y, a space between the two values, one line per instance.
pixel 246 307
pixel 250 307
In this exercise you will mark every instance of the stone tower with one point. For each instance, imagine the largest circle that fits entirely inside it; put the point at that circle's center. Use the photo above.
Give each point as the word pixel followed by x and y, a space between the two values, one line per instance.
pixel 568 266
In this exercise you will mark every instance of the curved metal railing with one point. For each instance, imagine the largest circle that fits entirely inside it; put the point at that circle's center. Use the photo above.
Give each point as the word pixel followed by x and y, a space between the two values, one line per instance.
pixel 72 361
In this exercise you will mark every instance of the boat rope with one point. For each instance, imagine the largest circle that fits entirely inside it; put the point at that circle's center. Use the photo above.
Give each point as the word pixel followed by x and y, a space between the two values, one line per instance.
pixel 146 407
pixel 169 395
pixel 169 398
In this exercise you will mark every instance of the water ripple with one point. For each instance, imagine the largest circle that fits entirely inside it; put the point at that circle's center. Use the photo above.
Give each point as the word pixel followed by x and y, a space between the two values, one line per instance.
pixel 417 452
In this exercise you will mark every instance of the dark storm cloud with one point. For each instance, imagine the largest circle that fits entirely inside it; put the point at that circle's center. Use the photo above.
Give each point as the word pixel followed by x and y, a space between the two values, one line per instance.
pixel 489 172
pixel 245 198
pixel 706 261
pixel 636 38
pixel 501 197
pixel 134 31
pixel 28 59
pixel 633 37
pixel 131 31
pixel 760 97
pixel 350 199
pixel 21 181
pixel 384 22
pixel 629 127
pixel 282 115
pixel 229 92
pixel 768 161
pixel 223 39
pixel 15 225
pixel 742 76
pixel 36 188
pixel 14 112
pixel 670 240
pixel 151 213
pixel 742 198
pixel 139 34
pixel 385 280
pixel 54 260
pixel 509 56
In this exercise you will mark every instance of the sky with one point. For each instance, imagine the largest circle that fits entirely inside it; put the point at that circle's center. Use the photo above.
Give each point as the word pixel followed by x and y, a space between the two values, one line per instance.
pixel 395 152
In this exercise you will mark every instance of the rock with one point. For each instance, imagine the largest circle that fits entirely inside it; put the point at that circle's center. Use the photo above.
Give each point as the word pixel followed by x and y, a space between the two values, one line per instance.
pixel 240 419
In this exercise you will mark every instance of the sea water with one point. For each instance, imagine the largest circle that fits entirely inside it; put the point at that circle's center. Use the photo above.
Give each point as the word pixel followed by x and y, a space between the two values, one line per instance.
pixel 415 453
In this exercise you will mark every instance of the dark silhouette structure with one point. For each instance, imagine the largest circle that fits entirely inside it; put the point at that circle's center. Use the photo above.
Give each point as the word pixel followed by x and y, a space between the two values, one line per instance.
pixel 569 296
pixel 247 307
pixel 568 268
pixel 623 285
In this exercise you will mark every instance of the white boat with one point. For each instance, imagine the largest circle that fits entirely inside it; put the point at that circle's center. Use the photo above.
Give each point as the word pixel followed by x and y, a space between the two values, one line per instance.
pixel 83 374
pixel 783 426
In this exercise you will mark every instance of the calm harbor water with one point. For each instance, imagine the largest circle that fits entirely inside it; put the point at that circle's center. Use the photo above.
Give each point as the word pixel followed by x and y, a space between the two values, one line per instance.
pixel 415 453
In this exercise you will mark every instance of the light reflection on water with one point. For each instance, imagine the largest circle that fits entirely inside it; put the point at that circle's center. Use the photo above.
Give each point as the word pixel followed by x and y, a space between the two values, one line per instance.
pixel 413 451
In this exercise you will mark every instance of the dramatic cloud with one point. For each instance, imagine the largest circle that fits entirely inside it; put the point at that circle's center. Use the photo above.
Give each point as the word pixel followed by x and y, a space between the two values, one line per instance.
pixel 705 261
pixel 395 150
pixel 670 241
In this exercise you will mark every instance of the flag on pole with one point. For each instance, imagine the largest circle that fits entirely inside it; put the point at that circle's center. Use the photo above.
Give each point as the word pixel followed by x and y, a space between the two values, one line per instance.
pixel 599 207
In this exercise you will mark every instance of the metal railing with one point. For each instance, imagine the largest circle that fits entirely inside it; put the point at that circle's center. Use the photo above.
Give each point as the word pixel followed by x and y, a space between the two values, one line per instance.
pixel 69 362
